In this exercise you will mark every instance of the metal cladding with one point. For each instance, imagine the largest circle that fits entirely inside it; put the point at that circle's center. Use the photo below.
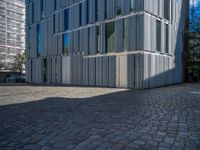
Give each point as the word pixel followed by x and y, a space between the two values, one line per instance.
pixel 107 43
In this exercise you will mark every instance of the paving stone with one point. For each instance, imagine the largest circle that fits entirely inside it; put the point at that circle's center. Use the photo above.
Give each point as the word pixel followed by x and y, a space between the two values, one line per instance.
pixel 53 117
pixel 169 140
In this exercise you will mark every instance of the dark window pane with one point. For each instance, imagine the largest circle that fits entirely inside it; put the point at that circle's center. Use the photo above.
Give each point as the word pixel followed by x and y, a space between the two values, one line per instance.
pixel 42 6
pixel 118 7
pixel 38 40
pixel 167 38
pixel 98 39
pixel 66 19
pixel 136 5
pixel 55 4
pixel 87 12
pixel 110 37
pixel 32 12
pixel 125 34
pixel 54 21
pixel 167 9
pixel 96 10
pixel 158 35
pixel 80 14
pixel 30 39
pixel 45 70
pixel 105 15
pixel 88 41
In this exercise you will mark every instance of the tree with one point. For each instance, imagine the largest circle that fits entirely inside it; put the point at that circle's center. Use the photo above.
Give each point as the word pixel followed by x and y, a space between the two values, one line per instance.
pixel 191 53
pixel 19 62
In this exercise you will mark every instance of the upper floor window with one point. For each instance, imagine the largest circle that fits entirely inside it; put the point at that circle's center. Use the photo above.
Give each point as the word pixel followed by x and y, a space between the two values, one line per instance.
pixel 87 12
pixel 125 34
pixel 55 4
pixel 118 7
pixel 110 36
pixel 38 40
pixel 105 14
pixel 66 19
pixel 96 10
pixel 98 39
pixel 136 5
pixel 42 8
pixel 65 43
pixel 158 35
pixel 54 24
pixel 167 38
pixel 32 13
pixel 80 14
pixel 167 9
pixel 30 39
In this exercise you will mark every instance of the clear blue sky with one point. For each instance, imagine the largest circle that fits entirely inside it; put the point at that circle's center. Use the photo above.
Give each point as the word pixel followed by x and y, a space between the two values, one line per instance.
pixel 197 5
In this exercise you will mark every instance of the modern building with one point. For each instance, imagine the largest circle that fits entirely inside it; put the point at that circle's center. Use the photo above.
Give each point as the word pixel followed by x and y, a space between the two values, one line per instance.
pixel 12 30
pixel 111 43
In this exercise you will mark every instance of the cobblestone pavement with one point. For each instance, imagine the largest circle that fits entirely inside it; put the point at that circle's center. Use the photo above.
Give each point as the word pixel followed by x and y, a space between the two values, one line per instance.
pixel 59 118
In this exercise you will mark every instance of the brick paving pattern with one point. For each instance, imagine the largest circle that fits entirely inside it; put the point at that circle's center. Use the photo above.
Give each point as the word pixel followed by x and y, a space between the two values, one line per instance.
pixel 64 118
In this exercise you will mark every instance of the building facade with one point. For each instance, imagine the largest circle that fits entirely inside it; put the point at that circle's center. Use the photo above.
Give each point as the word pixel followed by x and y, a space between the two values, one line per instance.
pixel 12 30
pixel 110 43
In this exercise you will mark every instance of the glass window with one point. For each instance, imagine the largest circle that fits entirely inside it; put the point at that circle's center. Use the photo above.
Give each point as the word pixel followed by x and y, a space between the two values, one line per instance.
pixel 167 9
pixel 125 34
pixel 118 7
pixel 132 5
pixel 98 39
pixel 42 6
pixel 110 37
pixel 79 40
pixel 96 10
pixel 89 41
pixel 158 7
pixel 38 40
pixel 45 70
pixel 55 4
pixel 80 14
pixel 158 35
pixel 65 43
pixel 105 3
pixel 32 12
pixel 66 19
pixel 54 24
pixel 87 12
pixel 167 38
pixel 136 5
pixel 30 39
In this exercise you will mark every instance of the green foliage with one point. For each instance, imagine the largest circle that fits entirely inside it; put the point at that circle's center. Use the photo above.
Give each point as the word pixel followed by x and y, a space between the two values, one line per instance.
pixel 19 62
pixel 191 53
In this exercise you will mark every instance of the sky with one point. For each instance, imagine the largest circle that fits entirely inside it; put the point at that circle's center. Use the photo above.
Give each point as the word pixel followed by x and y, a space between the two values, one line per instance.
pixel 196 3
pixel 197 6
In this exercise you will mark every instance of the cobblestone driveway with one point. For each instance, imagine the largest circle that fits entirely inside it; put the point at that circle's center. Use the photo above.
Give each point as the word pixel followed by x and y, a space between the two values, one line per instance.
pixel 58 118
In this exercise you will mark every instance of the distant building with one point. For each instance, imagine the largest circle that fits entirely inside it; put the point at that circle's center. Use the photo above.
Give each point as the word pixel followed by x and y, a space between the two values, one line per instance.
pixel 12 31
pixel 111 43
